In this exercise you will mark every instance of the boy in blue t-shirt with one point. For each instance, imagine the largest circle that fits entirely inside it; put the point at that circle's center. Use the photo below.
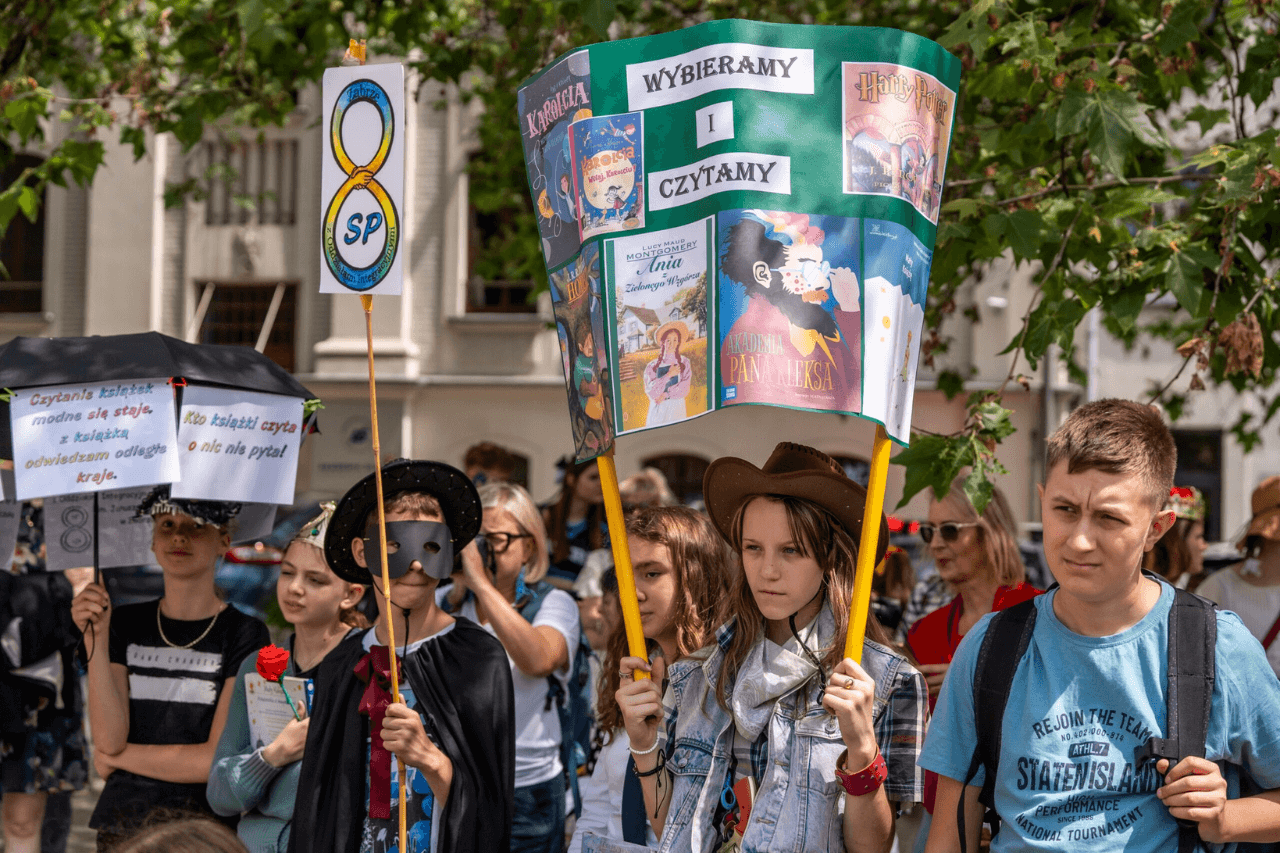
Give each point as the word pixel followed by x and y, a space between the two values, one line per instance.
pixel 1090 689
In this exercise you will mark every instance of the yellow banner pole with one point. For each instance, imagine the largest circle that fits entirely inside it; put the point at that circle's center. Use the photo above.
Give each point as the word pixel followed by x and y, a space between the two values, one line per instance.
pixel 622 558
pixel 367 301
pixel 356 51
pixel 867 546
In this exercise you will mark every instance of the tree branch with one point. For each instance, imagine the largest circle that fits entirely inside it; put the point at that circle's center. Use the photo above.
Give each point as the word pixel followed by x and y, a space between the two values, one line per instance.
pixel 1166 386
pixel 1103 185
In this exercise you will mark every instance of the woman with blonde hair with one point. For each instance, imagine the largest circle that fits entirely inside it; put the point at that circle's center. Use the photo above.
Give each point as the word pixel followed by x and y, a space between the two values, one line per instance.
pixel 504 591
pixel 978 556
pixel 821 745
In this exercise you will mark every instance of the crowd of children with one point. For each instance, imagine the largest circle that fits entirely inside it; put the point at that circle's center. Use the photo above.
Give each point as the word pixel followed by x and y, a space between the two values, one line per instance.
pixel 523 722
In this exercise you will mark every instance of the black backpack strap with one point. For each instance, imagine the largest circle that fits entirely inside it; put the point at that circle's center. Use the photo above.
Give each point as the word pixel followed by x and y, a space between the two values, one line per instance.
pixel 1003 646
pixel 1193 637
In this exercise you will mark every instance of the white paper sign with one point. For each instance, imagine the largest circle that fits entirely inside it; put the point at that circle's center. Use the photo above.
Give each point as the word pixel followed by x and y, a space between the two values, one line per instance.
pixel 10 518
pixel 362 180
pixel 124 538
pixel 71 439
pixel 238 445
pixel 268 710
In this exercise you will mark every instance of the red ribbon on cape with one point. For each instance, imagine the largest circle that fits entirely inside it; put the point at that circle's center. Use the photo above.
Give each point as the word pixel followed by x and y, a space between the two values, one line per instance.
pixel 375 670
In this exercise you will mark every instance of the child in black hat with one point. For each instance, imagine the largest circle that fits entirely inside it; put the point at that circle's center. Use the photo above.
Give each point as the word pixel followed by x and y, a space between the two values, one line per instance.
pixel 161 672
pixel 454 731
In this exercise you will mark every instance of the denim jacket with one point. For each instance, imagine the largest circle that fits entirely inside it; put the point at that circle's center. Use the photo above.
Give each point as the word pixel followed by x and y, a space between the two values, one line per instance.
pixel 798 805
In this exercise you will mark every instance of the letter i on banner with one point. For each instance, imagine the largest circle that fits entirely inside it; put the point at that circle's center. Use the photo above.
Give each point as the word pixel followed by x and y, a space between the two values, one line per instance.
pixel 362 194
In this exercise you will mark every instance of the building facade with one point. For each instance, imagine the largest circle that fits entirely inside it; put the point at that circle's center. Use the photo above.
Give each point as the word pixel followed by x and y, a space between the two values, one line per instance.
pixel 460 360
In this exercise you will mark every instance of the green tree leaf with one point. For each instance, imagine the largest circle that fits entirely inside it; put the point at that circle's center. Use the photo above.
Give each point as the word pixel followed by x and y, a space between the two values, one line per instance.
pixel 1184 279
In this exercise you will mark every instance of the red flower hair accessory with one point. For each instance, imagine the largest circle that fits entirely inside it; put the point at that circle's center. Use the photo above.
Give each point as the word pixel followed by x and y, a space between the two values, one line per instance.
pixel 1187 502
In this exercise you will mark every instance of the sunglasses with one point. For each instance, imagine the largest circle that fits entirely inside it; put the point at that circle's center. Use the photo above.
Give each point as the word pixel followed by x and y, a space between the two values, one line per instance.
pixel 499 542
pixel 950 530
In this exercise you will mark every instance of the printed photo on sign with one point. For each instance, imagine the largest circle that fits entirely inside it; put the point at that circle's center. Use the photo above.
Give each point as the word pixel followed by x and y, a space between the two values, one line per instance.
pixel 579 313
pixel 86 438
pixel 787 138
pixel 790 324
pixel 897 127
pixel 659 289
pixel 124 538
pixel 894 288
pixel 238 445
pixel 607 153
pixel 362 179
pixel 547 106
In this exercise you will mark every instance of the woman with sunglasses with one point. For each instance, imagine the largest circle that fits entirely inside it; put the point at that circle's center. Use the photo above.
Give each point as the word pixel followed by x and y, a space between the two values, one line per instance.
pixel 978 556
pixel 772 711
pixel 495 591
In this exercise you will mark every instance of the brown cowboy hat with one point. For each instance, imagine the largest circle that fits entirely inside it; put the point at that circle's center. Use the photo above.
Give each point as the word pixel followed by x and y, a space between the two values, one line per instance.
pixel 793 470
pixel 1266 512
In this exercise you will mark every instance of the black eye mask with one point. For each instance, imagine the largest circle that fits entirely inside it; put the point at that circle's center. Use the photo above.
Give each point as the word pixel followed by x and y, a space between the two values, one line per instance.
pixel 427 542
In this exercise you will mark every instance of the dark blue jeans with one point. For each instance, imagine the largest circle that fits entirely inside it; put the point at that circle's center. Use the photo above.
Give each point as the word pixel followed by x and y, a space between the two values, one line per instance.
pixel 538 825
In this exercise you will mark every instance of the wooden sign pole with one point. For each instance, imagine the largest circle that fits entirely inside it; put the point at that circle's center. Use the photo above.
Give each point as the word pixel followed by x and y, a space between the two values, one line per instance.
pixel 356 50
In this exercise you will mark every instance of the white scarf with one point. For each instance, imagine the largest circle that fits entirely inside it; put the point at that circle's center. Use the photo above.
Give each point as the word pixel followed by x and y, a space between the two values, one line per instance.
pixel 770 672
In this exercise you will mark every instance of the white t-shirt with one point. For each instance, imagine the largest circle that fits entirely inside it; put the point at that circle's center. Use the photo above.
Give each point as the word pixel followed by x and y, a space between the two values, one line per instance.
pixel 537 727
pixel 1257 606
pixel 602 796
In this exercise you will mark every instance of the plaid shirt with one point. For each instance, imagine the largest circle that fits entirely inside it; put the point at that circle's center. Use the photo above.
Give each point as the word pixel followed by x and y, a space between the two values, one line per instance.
pixel 899 729
pixel 929 594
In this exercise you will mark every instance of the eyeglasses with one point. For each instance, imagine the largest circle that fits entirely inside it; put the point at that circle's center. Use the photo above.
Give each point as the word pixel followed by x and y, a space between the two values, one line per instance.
pixel 811 271
pixel 950 530
pixel 499 542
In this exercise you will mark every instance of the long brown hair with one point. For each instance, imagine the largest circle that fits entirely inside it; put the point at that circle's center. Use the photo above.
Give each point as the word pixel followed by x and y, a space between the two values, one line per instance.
pixel 703 565
pixel 557 515
pixel 1171 556
pixel 820 536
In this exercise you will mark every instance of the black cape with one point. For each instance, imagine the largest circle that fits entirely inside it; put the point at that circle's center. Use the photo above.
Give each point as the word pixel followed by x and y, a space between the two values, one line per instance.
pixel 462 682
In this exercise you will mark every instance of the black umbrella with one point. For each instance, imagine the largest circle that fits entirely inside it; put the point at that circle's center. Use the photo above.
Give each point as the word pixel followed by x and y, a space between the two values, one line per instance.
pixel 34 362
pixel 38 362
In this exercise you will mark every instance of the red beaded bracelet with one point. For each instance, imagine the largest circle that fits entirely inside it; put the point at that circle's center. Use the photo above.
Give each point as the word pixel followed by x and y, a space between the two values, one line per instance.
pixel 865 780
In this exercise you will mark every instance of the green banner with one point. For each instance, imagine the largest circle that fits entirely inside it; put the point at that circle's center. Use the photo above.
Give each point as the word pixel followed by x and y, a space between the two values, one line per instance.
pixel 739 213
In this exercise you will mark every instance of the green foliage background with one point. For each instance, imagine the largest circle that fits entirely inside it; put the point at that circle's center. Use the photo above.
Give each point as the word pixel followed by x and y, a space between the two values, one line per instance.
pixel 1060 153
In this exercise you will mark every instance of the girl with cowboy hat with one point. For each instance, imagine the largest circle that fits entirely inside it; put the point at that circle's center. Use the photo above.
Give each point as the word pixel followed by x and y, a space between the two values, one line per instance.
pixel 667 378
pixel 1251 589
pixel 822 746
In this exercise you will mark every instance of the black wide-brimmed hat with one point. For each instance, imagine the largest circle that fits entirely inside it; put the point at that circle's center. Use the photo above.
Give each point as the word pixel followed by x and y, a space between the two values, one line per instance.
pixel 452 488
pixel 793 470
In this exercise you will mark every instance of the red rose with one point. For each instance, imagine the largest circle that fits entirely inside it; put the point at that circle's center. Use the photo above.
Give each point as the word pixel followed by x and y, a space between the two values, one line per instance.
pixel 272 661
